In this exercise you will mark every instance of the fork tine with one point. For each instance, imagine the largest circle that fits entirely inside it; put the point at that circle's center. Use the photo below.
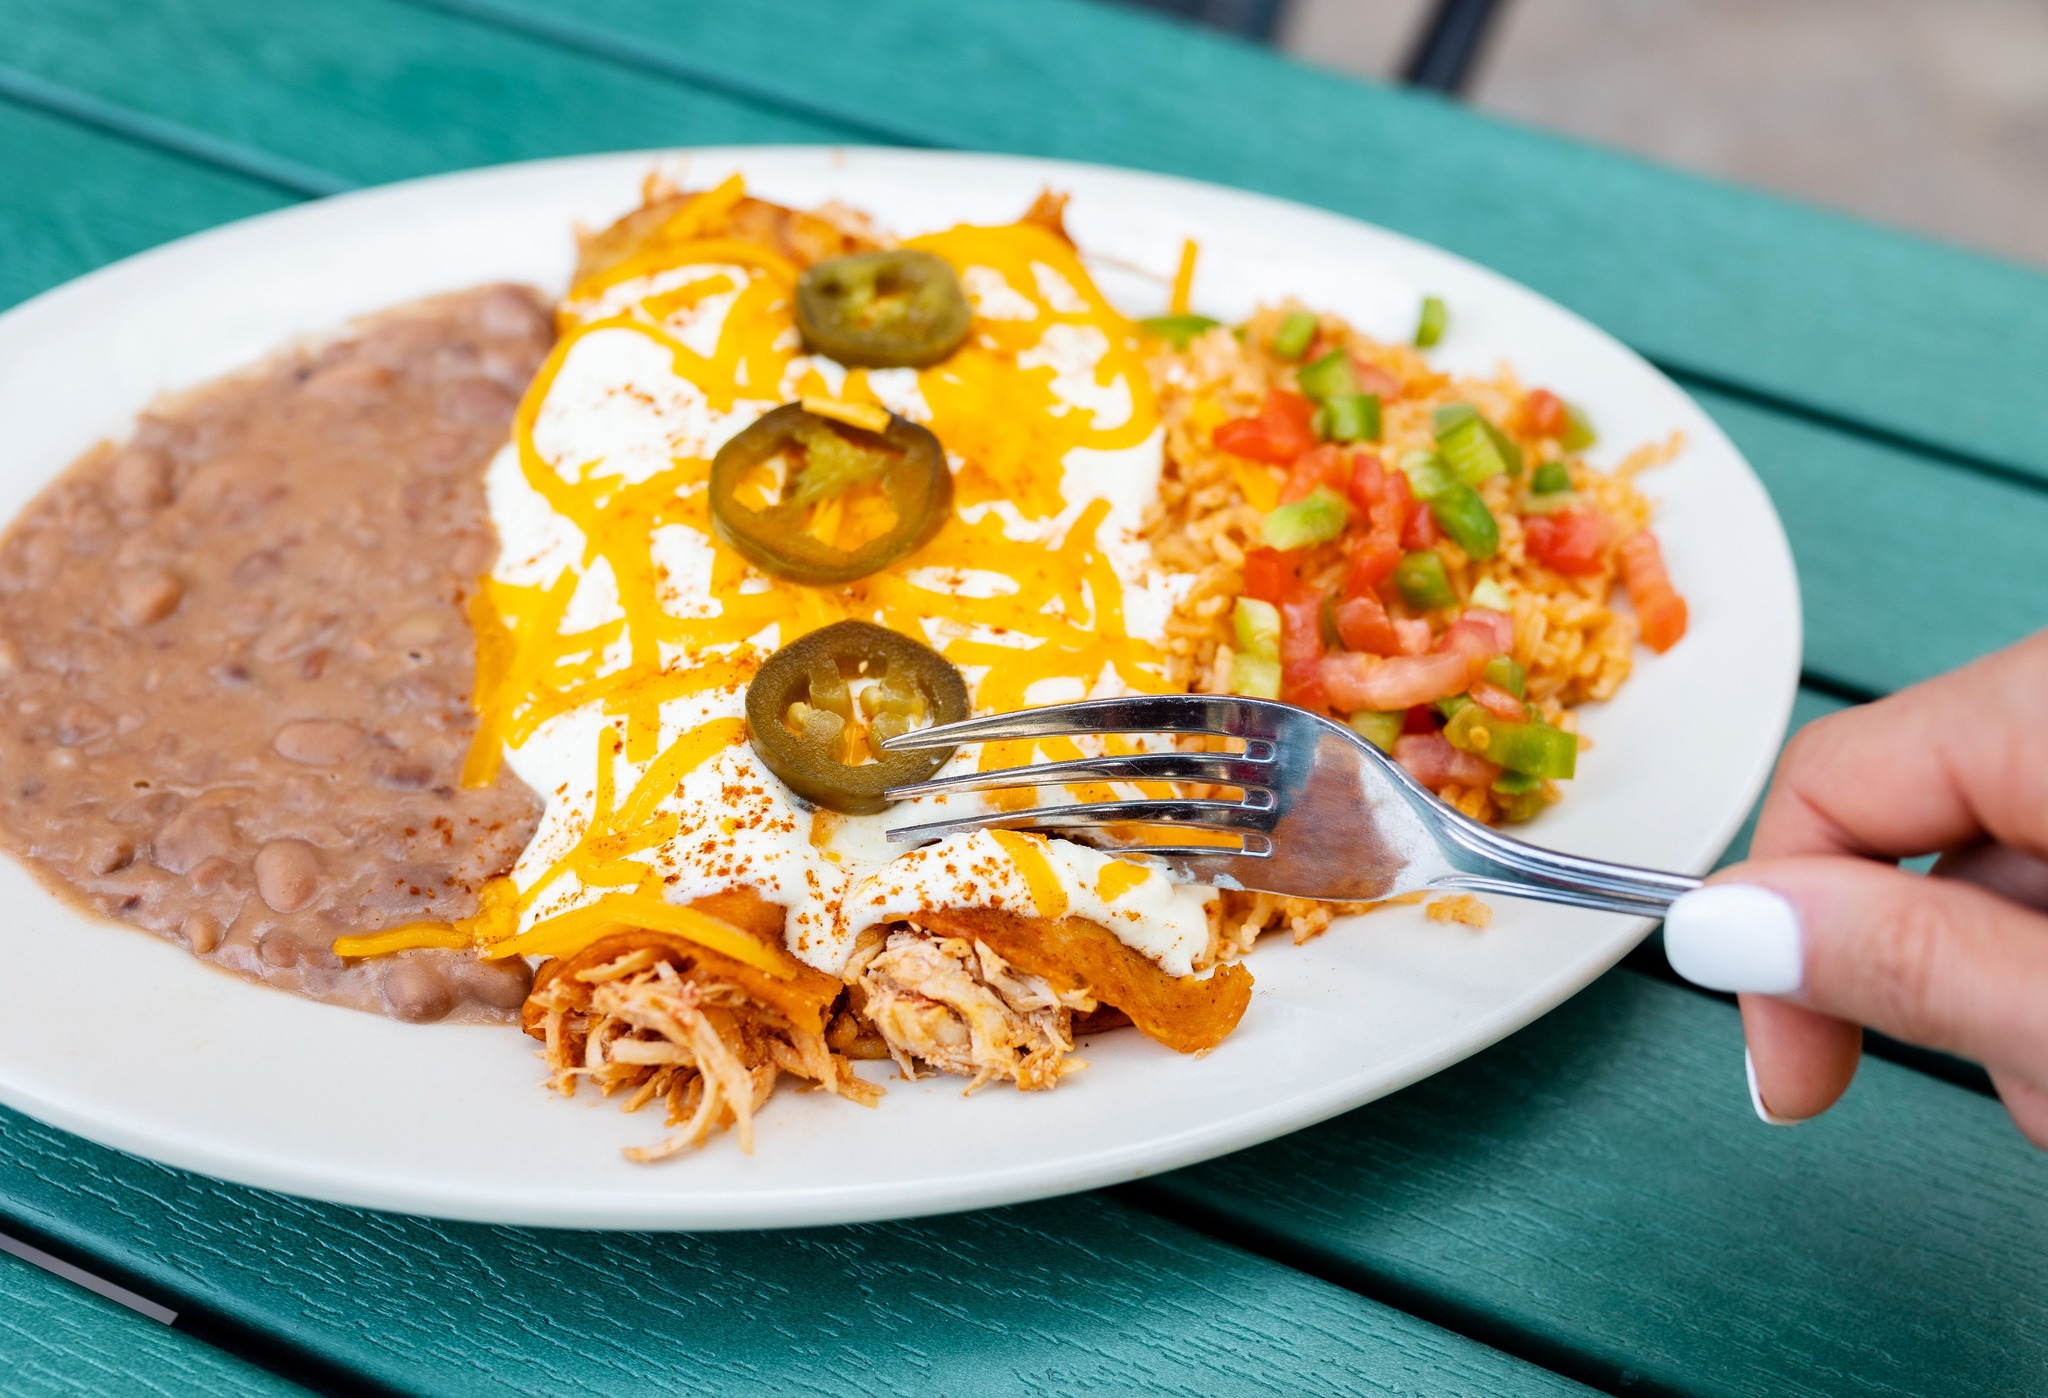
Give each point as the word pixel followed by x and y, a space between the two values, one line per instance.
pixel 1195 815
pixel 1229 769
pixel 1222 716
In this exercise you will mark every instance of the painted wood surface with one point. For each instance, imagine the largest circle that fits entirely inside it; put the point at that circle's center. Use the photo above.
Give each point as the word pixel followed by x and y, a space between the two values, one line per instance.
pixel 1596 1192
pixel 1817 342
pixel 61 1340
pixel 1076 1296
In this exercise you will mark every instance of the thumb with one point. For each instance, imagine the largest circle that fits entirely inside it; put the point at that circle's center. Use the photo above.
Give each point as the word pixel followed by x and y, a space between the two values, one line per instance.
pixel 1938 962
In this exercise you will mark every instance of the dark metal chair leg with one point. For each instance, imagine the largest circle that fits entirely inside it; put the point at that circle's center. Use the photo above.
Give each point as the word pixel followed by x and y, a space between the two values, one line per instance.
pixel 1448 49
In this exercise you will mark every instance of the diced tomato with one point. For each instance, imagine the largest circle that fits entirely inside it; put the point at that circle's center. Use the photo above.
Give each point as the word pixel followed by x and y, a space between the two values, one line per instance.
pixel 1363 624
pixel 1328 464
pixel 1659 608
pixel 1497 628
pixel 1421 718
pixel 1370 566
pixel 1413 633
pixel 1268 573
pixel 1354 681
pixel 1368 480
pixel 1497 701
pixel 1570 541
pixel 1373 379
pixel 1431 760
pixel 1427 756
pixel 1420 532
pixel 1477 637
pixel 1283 430
pixel 1544 415
pixel 1301 646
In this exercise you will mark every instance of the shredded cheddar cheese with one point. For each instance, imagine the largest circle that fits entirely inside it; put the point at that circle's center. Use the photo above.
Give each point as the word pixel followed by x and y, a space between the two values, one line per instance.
pixel 1008 421
pixel 1027 852
pixel 1184 278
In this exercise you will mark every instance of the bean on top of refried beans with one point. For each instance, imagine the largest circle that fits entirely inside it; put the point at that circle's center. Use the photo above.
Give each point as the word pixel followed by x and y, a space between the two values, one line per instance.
pixel 236 670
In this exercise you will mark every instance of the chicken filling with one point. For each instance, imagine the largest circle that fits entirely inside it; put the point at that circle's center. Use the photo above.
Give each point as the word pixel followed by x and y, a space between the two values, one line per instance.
pixel 954 1005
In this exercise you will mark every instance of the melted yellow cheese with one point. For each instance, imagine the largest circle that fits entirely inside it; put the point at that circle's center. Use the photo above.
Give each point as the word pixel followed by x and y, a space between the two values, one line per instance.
pixel 998 408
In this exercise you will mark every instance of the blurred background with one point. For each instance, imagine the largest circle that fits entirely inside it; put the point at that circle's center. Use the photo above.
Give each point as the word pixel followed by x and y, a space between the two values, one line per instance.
pixel 1929 114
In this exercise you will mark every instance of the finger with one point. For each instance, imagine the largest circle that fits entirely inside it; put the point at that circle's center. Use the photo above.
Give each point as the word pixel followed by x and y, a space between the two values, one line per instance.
pixel 2000 868
pixel 1926 769
pixel 1930 961
pixel 1801 1061
pixel 2027 1104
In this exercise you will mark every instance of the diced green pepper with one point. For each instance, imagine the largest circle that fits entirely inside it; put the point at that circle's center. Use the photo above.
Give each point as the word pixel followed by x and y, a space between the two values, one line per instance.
pixel 1254 676
pixel 1330 377
pixel 1509 452
pixel 1422 582
pixel 1534 749
pixel 1578 431
pixel 1435 317
pixel 1315 520
pixel 1349 417
pixel 1180 330
pixel 1427 474
pixel 1521 797
pixel 1505 673
pixel 1450 415
pixel 1490 594
pixel 1258 628
pixel 1452 418
pixel 1470 449
pixel 1466 519
pixel 1449 705
pixel 1379 729
pixel 1554 503
pixel 1550 478
pixel 1295 335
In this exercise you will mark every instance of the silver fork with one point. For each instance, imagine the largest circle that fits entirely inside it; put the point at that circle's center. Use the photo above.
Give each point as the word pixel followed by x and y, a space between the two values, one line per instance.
pixel 1323 814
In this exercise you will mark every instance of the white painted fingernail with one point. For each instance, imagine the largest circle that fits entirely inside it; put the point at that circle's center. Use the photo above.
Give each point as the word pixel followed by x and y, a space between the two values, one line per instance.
pixel 1756 1098
pixel 1733 936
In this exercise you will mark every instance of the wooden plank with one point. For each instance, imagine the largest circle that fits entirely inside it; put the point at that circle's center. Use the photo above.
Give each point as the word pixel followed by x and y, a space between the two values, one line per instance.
pixel 371 91
pixel 75 200
pixel 1078 1295
pixel 1907 566
pixel 1596 1194
pixel 1878 327
pixel 61 1339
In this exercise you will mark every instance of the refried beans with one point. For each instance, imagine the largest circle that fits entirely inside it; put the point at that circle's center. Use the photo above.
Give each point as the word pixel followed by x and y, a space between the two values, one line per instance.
pixel 235 666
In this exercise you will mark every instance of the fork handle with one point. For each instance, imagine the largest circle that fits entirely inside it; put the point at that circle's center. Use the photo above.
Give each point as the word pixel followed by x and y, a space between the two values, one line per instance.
pixel 1489 862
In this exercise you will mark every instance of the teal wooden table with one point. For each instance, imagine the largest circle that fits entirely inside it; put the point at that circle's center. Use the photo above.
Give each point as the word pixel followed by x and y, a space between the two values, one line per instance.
pixel 1590 1204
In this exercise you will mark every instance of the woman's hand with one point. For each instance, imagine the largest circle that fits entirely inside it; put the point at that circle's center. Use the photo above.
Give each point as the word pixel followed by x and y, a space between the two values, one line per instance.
pixel 1822 933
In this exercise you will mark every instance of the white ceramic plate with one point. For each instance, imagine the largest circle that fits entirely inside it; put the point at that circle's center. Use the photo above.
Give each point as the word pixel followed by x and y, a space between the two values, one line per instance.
pixel 189 1066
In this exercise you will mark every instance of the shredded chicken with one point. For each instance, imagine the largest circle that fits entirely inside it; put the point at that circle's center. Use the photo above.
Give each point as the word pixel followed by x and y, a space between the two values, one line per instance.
pixel 662 1025
pixel 955 1006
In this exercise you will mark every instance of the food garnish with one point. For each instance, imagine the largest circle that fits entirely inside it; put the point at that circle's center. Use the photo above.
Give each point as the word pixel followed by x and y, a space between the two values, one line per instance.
pixel 803 710
pixel 882 310
pixel 848 501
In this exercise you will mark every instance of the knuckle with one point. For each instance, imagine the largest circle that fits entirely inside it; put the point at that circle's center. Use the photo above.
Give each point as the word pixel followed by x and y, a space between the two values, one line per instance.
pixel 1910 997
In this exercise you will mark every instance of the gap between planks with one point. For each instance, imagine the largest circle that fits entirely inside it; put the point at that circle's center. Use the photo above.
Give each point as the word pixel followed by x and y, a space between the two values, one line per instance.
pixel 140 128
